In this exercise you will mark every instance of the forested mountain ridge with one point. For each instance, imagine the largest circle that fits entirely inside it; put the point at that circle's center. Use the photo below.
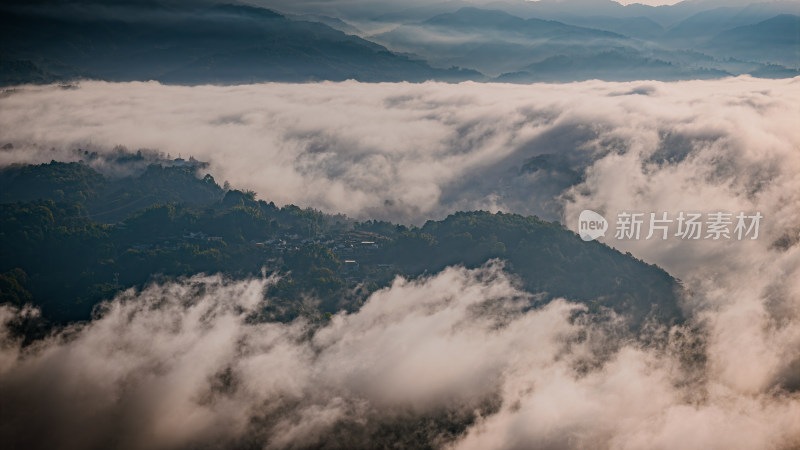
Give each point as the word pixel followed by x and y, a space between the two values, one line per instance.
pixel 61 253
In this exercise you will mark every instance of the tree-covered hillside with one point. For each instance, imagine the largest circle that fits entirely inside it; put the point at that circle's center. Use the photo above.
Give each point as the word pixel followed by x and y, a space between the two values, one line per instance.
pixel 71 237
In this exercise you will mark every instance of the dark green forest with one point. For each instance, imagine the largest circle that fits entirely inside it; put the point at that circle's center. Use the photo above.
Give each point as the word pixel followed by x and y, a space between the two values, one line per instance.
pixel 72 237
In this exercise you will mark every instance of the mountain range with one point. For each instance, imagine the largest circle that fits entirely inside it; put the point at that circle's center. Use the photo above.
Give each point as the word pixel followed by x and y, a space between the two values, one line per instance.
pixel 220 44
pixel 188 43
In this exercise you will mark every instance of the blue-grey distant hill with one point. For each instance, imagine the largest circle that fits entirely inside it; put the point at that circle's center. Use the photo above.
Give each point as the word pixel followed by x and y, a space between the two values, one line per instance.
pixel 494 41
pixel 617 64
pixel 774 40
pixel 569 40
pixel 218 44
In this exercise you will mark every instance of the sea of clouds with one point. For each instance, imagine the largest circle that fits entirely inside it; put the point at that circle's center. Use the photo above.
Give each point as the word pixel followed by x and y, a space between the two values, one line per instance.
pixel 452 359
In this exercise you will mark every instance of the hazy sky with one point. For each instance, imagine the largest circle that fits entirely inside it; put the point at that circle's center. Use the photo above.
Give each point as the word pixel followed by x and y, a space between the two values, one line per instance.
pixel 649 2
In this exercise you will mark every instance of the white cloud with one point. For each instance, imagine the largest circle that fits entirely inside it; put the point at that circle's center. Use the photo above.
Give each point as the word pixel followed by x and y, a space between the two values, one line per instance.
pixel 180 365
pixel 405 152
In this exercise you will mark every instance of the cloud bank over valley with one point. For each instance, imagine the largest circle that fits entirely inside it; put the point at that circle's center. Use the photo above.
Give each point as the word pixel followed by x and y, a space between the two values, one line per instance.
pixel 453 359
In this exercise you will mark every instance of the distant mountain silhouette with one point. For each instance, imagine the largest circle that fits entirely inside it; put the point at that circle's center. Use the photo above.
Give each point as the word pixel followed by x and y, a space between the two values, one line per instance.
pixel 494 41
pixel 548 40
pixel 614 64
pixel 221 44
pixel 475 18
pixel 775 40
